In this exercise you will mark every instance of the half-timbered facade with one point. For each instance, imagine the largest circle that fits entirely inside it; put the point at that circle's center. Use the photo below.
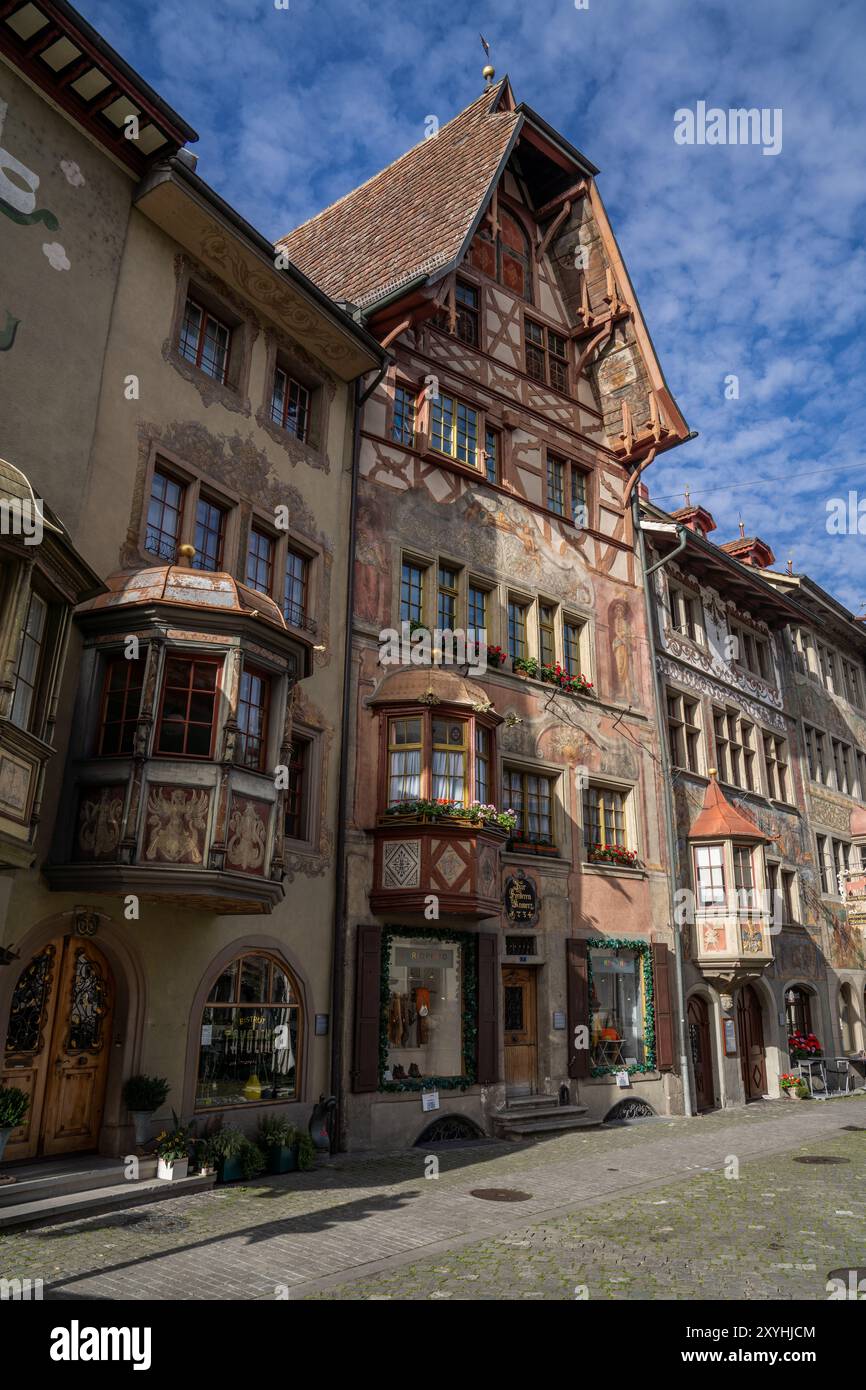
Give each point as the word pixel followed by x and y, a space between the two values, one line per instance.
pixel 507 934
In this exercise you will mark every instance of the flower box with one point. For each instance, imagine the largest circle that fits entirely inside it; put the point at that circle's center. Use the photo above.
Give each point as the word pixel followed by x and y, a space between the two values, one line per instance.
pixel 615 855
pixel 172 1170
pixel 494 656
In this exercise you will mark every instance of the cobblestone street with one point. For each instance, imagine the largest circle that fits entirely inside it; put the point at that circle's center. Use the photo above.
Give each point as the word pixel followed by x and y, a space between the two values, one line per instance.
pixel 651 1210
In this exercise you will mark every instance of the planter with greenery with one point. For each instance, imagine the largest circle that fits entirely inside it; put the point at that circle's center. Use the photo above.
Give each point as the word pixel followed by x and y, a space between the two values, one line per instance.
pixel 802 1046
pixel 14 1104
pixel 477 813
pixel 142 1095
pixel 522 843
pixel 495 656
pixel 172 1150
pixel 285 1148
pixel 233 1155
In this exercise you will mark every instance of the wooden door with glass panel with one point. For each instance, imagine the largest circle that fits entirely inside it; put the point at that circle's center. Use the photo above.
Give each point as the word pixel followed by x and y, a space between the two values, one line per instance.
pixel 57 1047
pixel 521 1043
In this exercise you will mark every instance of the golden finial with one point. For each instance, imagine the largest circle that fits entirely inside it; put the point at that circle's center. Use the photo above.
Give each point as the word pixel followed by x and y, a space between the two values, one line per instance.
pixel 186 554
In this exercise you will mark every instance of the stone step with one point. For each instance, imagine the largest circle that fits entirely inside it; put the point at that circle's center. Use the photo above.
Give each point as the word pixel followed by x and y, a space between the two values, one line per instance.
pixel 539 1112
pixel 33 1181
pixel 529 1127
pixel 70 1206
pixel 529 1102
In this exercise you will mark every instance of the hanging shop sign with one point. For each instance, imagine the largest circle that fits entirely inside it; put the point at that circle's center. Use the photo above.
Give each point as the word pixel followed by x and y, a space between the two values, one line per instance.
pixel 429 1100
pixel 521 899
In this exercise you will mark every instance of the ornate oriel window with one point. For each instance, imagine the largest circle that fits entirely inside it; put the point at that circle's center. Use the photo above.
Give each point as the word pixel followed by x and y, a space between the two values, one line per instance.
pixel 429 759
pixel 253 702
pixel 188 707
pixel 250 1036
pixel 121 698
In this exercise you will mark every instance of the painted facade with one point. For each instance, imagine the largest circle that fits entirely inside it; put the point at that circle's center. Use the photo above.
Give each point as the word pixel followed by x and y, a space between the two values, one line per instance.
pixel 185 404
pixel 494 463
pixel 739 708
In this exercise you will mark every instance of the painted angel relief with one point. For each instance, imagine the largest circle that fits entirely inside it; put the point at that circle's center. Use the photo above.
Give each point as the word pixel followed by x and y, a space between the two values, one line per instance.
pixel 247 846
pixel 176 824
pixel 100 817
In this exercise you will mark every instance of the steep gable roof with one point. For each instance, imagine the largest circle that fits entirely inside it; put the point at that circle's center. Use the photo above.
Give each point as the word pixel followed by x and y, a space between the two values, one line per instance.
pixel 415 216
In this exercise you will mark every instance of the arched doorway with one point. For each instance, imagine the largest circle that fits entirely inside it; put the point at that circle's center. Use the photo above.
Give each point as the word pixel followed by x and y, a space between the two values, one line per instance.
pixel 58 1047
pixel 750 1030
pixel 702 1055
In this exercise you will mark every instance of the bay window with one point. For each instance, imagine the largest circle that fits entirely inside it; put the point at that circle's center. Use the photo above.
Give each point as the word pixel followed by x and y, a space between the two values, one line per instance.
pixel 253 701
pixel 188 707
pixel 710 875
pixel 121 698
pixel 428 758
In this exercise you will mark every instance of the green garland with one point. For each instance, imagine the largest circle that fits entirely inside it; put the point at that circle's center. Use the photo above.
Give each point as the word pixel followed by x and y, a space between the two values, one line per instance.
pixel 469 943
pixel 616 943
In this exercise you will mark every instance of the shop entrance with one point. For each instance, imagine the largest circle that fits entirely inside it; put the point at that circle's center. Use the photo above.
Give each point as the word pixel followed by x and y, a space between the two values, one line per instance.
pixel 702 1056
pixel 521 1042
pixel 58 1045
pixel 750 1029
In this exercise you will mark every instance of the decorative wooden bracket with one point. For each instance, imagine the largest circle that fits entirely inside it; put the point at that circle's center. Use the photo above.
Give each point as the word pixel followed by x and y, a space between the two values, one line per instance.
pixel 600 337
pixel 557 222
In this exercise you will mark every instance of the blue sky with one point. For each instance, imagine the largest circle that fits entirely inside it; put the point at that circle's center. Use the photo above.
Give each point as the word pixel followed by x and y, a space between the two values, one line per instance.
pixel 745 264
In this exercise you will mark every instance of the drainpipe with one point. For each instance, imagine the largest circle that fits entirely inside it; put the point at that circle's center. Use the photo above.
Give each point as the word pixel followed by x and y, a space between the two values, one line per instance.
pixel 338 968
pixel 673 858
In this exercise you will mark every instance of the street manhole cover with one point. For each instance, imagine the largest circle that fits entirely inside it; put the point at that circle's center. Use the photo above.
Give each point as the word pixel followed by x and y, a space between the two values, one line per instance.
pixel 820 1158
pixel 501 1194
pixel 157 1223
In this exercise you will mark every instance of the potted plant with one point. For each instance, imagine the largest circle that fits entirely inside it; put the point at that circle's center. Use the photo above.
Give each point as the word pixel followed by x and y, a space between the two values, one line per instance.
pixel 142 1095
pixel 13 1107
pixel 278 1141
pixel 804 1045
pixel 495 656
pixel 172 1149
pixel 794 1087
pixel 234 1155
pixel 524 665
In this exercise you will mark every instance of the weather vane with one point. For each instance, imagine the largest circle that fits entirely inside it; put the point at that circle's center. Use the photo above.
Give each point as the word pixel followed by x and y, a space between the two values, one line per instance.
pixel 488 72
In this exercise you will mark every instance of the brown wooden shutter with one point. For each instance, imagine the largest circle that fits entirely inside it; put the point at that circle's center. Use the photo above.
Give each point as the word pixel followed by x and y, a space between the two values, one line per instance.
pixel 664 1009
pixel 368 1009
pixel 488 996
pixel 578 1005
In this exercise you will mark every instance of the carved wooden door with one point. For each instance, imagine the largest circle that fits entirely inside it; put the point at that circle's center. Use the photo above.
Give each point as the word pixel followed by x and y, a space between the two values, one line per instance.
pixel 57 1047
pixel 702 1059
pixel 753 1062
pixel 521 1043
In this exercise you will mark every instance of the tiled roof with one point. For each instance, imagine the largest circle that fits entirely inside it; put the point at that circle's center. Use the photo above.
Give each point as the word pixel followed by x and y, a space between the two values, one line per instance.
pixel 412 217
pixel 719 820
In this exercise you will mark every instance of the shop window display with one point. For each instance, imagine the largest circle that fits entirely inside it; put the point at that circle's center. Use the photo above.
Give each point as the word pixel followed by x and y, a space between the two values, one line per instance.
pixel 425 1008
pixel 250 1036
pixel 616 1009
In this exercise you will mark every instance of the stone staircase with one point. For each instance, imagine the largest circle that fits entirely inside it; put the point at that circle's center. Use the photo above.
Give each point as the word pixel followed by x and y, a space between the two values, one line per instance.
pixel 59 1189
pixel 530 1117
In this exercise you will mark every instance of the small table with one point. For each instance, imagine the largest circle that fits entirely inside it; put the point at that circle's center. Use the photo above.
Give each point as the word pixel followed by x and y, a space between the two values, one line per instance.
pixel 808 1066
pixel 609 1052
